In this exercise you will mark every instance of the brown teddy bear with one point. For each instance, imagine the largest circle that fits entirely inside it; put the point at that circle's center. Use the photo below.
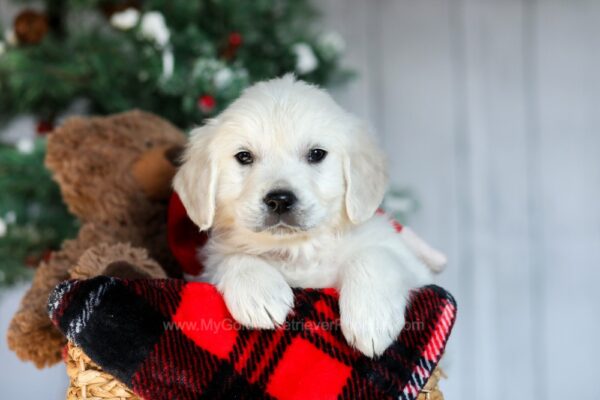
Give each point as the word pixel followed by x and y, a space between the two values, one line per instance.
pixel 115 176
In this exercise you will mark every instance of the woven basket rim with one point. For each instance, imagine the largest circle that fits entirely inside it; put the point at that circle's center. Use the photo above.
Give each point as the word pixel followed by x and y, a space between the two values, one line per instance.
pixel 89 382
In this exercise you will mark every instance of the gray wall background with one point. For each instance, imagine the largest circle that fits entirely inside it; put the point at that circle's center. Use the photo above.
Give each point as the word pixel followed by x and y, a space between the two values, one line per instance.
pixel 490 113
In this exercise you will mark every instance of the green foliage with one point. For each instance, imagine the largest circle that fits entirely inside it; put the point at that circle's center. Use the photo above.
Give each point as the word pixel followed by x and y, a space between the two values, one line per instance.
pixel 117 69
pixel 33 218
pixel 217 48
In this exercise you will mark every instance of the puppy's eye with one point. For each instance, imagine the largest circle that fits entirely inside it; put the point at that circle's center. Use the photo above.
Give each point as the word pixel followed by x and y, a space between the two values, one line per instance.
pixel 244 157
pixel 316 156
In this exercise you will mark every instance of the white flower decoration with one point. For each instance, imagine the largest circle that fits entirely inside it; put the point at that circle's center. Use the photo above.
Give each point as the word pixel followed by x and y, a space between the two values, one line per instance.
pixel 223 78
pixel 10 217
pixel 306 61
pixel 125 20
pixel 3 228
pixel 168 63
pixel 25 146
pixel 10 37
pixel 155 28
pixel 205 67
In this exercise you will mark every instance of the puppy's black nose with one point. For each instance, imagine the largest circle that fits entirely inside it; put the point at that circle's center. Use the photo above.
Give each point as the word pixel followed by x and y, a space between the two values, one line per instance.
pixel 280 201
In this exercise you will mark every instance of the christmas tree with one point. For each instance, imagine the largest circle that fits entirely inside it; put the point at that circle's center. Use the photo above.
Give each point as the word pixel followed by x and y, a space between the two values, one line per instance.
pixel 183 60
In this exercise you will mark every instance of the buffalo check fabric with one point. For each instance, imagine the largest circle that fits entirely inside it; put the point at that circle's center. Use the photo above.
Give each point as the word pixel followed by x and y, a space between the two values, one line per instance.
pixel 170 339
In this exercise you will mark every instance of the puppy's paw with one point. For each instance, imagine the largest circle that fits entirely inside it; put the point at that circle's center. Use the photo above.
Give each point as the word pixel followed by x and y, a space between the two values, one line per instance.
pixel 371 322
pixel 257 297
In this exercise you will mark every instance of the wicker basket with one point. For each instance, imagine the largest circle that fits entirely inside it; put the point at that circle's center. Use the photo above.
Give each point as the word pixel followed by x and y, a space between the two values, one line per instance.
pixel 89 382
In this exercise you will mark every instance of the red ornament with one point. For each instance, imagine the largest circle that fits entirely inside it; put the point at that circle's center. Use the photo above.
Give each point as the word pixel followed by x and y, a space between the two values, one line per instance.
pixel 43 127
pixel 206 103
pixel 30 26
pixel 235 39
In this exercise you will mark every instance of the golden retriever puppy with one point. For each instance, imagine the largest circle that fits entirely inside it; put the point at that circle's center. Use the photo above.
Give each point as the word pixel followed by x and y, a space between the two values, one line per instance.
pixel 288 183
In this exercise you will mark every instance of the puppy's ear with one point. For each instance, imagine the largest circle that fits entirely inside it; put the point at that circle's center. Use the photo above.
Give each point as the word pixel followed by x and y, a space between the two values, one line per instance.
pixel 366 177
pixel 196 179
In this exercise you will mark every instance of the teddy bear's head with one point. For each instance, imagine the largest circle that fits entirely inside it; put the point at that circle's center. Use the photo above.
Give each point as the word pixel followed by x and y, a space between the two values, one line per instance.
pixel 115 173
pixel 104 166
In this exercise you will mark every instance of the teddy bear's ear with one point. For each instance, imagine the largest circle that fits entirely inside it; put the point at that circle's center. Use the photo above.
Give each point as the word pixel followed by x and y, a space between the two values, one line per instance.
pixel 154 170
pixel 196 180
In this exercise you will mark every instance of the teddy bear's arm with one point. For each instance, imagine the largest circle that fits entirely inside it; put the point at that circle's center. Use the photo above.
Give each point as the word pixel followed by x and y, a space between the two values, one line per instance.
pixel 31 334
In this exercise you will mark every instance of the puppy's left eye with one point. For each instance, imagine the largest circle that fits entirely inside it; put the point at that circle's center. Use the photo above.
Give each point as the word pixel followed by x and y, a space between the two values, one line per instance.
pixel 316 156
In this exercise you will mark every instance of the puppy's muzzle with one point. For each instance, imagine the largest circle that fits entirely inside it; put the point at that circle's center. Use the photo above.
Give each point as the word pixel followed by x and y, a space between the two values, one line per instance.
pixel 280 201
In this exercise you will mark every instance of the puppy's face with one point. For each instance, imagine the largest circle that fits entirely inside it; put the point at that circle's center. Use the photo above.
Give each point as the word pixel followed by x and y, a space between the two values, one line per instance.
pixel 282 160
pixel 278 173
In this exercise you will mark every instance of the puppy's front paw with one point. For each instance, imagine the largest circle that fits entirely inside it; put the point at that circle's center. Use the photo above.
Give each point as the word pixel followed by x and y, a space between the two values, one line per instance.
pixel 371 322
pixel 258 297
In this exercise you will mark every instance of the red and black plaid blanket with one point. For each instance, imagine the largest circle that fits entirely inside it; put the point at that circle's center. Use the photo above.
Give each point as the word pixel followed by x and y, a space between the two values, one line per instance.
pixel 169 339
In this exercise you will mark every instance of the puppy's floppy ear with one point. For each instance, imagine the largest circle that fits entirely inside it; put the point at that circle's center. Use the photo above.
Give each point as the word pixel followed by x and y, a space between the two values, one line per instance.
pixel 196 179
pixel 366 177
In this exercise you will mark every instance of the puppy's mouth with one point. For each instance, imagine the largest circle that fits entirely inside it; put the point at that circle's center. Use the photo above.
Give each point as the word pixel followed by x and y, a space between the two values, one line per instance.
pixel 282 224
pixel 283 229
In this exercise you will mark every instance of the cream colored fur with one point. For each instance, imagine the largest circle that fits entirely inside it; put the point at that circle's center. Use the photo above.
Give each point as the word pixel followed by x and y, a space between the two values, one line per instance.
pixel 338 242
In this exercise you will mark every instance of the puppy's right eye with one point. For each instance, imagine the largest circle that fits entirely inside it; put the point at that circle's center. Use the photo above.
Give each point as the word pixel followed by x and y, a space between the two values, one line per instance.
pixel 244 157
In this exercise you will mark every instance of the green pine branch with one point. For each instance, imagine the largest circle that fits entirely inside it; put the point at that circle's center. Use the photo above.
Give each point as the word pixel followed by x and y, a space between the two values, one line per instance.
pixel 114 69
